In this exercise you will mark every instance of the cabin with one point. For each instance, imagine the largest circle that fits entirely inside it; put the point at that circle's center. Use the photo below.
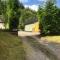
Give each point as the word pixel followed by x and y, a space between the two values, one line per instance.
pixel 32 25
pixel 1 24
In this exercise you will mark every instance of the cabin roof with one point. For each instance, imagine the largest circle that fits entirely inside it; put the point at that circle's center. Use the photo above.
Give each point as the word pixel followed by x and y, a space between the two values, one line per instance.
pixel 31 21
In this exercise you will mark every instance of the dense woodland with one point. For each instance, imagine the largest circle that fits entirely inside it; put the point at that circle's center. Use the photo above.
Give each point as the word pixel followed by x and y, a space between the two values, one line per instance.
pixel 15 15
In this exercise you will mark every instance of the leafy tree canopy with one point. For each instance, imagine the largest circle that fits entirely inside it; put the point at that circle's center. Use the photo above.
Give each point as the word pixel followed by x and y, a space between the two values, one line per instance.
pixel 49 18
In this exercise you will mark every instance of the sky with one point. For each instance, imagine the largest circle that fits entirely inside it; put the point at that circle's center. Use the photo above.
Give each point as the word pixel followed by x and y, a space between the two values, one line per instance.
pixel 33 4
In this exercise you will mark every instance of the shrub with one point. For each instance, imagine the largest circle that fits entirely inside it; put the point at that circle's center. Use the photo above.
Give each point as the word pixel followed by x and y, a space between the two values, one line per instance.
pixel 49 18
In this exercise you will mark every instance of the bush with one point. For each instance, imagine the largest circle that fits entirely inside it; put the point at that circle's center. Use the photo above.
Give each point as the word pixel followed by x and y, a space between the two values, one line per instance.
pixel 13 23
pixel 49 19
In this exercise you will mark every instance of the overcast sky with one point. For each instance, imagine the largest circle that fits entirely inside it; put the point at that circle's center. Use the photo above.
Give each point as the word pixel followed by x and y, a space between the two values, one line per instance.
pixel 33 4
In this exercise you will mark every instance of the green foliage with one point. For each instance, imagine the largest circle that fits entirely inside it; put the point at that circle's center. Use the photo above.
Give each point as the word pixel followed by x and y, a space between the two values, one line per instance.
pixel 12 48
pixel 10 10
pixel 26 16
pixel 2 6
pixel 40 15
pixel 13 13
pixel 49 18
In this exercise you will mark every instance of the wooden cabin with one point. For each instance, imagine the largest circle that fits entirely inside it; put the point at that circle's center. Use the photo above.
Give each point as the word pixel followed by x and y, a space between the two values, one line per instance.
pixel 32 25
pixel 1 24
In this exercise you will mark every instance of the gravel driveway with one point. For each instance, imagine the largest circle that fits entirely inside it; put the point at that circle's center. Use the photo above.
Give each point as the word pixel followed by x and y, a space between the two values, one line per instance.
pixel 31 52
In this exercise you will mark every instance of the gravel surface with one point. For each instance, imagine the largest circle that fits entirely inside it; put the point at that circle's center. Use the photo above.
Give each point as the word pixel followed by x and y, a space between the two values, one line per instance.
pixel 32 53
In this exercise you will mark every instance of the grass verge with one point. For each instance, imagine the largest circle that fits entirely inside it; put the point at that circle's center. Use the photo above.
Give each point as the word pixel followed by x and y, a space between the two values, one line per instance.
pixel 11 47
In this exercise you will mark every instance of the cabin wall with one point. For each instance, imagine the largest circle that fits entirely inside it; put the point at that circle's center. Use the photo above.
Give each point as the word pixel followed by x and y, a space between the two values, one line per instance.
pixel 29 27
pixel 32 27
pixel 2 26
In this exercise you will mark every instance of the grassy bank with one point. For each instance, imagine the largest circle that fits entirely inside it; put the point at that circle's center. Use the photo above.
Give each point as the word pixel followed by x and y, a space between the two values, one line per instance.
pixel 54 39
pixel 11 47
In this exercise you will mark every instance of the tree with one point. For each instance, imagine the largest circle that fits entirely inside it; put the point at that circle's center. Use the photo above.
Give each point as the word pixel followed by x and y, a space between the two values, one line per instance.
pixel 3 11
pixel 40 15
pixel 2 7
pixel 49 18
pixel 13 13
pixel 26 17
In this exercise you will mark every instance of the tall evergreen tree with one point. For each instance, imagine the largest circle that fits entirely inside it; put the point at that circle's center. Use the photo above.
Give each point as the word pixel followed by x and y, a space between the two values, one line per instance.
pixel 13 13
pixel 2 7
pixel 49 18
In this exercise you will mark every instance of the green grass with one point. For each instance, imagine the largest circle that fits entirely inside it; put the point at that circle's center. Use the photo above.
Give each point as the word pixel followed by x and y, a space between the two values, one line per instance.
pixel 11 47
pixel 54 39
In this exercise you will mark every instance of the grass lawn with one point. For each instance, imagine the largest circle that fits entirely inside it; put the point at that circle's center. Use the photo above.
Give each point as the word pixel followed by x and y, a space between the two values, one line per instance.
pixel 55 39
pixel 11 47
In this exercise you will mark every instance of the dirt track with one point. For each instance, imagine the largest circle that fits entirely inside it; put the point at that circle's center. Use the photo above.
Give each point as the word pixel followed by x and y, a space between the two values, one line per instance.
pixel 31 52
